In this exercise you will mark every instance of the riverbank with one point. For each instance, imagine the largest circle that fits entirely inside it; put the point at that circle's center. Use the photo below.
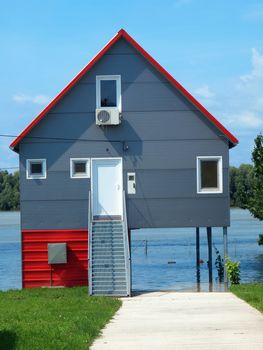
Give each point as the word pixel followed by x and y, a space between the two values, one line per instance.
pixel 251 293
pixel 61 318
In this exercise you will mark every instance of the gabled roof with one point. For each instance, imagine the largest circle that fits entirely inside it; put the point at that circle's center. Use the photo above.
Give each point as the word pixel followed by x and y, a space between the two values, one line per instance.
pixel 123 34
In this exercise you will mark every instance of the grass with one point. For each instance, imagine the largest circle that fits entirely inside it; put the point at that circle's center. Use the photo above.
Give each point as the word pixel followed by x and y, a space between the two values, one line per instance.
pixel 57 319
pixel 251 293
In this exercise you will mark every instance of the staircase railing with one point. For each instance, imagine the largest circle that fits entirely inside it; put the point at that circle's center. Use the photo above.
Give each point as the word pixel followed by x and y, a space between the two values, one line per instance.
pixel 90 245
pixel 127 254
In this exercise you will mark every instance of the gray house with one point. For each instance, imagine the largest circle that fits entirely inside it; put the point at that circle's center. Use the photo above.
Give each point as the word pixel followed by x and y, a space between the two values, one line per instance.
pixel 122 146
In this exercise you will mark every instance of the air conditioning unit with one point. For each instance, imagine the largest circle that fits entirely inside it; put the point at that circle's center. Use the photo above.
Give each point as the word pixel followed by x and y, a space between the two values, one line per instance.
pixel 107 116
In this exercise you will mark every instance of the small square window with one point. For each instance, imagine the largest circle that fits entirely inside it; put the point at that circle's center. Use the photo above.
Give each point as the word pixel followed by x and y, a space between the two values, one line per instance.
pixel 36 169
pixel 209 175
pixel 79 168
pixel 108 91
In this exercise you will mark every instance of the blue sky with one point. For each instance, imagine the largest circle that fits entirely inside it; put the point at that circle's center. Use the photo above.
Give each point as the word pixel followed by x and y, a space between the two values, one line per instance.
pixel 213 48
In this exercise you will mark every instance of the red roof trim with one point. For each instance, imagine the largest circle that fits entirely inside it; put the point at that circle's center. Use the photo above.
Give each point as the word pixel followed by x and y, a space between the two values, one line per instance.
pixel 124 34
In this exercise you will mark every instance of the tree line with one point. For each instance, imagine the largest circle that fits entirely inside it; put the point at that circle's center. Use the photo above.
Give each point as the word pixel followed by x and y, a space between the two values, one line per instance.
pixel 246 182
pixel 9 190
pixel 241 185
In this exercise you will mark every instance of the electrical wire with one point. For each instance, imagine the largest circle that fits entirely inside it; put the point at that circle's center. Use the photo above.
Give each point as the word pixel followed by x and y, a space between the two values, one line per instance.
pixel 89 140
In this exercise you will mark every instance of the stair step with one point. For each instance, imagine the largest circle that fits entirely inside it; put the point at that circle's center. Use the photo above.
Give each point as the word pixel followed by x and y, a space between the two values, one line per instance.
pixel 109 222
pixel 105 272
pixel 108 251
pixel 108 245
pixel 110 282
pixel 108 239
pixel 118 277
pixel 107 267
pixel 109 278
pixel 102 250
pixel 109 260
pixel 107 232
pixel 109 286
pixel 109 254
pixel 111 293
pixel 105 277
pixel 107 227
pixel 96 255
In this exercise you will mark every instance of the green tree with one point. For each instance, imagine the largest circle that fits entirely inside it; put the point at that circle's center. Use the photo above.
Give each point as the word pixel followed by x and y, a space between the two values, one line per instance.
pixel 9 191
pixel 241 185
pixel 244 186
pixel 256 202
pixel 233 171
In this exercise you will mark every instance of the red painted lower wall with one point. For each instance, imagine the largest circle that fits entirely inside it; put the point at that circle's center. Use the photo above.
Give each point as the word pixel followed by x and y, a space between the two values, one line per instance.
pixel 36 272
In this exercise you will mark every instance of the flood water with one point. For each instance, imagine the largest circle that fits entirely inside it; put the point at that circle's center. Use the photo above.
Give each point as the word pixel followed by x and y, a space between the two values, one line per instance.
pixel 168 263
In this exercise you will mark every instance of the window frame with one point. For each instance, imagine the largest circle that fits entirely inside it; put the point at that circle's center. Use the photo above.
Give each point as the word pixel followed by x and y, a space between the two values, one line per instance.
pixel 30 176
pixel 81 176
pixel 117 78
pixel 210 190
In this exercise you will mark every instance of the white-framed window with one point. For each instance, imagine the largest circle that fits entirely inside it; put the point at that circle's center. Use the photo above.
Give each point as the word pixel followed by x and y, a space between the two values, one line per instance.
pixel 108 91
pixel 79 168
pixel 36 169
pixel 209 174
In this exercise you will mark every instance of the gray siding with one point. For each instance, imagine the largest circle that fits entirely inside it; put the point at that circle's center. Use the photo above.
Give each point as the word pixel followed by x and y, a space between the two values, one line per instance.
pixel 164 134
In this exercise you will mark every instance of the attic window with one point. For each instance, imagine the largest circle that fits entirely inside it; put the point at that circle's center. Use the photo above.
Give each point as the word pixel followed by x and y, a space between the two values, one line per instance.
pixel 108 91
pixel 79 168
pixel 209 174
pixel 36 169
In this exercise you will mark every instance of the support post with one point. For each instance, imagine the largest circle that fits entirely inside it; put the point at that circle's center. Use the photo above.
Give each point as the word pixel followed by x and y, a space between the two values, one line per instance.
pixel 198 258
pixel 225 255
pixel 210 262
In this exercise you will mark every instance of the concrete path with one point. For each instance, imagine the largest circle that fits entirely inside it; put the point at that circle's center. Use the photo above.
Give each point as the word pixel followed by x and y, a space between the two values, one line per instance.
pixel 168 321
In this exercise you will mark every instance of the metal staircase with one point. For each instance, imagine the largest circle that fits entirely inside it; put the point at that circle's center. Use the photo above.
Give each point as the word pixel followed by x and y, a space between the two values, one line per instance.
pixel 109 256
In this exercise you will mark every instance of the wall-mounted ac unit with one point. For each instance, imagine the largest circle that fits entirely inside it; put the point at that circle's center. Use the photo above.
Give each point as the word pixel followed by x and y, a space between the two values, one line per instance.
pixel 107 116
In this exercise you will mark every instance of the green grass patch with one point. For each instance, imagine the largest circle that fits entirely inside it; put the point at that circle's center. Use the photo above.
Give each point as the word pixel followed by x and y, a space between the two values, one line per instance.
pixel 57 319
pixel 251 293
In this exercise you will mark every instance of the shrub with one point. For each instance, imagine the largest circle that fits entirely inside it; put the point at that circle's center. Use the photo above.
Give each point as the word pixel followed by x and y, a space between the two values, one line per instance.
pixel 233 270
pixel 219 263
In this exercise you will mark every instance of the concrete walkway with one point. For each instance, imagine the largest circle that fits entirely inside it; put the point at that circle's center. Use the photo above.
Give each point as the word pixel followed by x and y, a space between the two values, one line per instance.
pixel 168 321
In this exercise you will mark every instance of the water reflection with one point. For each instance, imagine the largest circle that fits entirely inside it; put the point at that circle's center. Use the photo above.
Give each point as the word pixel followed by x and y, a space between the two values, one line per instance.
pixel 152 272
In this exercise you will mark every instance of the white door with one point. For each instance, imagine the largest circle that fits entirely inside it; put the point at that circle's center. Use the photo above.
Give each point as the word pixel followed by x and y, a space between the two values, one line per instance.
pixel 106 187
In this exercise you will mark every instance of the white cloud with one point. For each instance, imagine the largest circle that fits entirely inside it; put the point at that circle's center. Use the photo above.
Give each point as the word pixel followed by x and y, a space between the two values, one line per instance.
pixel 245 120
pixel 37 99
pixel 204 92
pixel 242 100
pixel 257 67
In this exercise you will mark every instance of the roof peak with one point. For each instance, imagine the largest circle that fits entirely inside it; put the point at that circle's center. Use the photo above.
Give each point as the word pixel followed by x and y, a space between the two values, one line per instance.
pixel 122 33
